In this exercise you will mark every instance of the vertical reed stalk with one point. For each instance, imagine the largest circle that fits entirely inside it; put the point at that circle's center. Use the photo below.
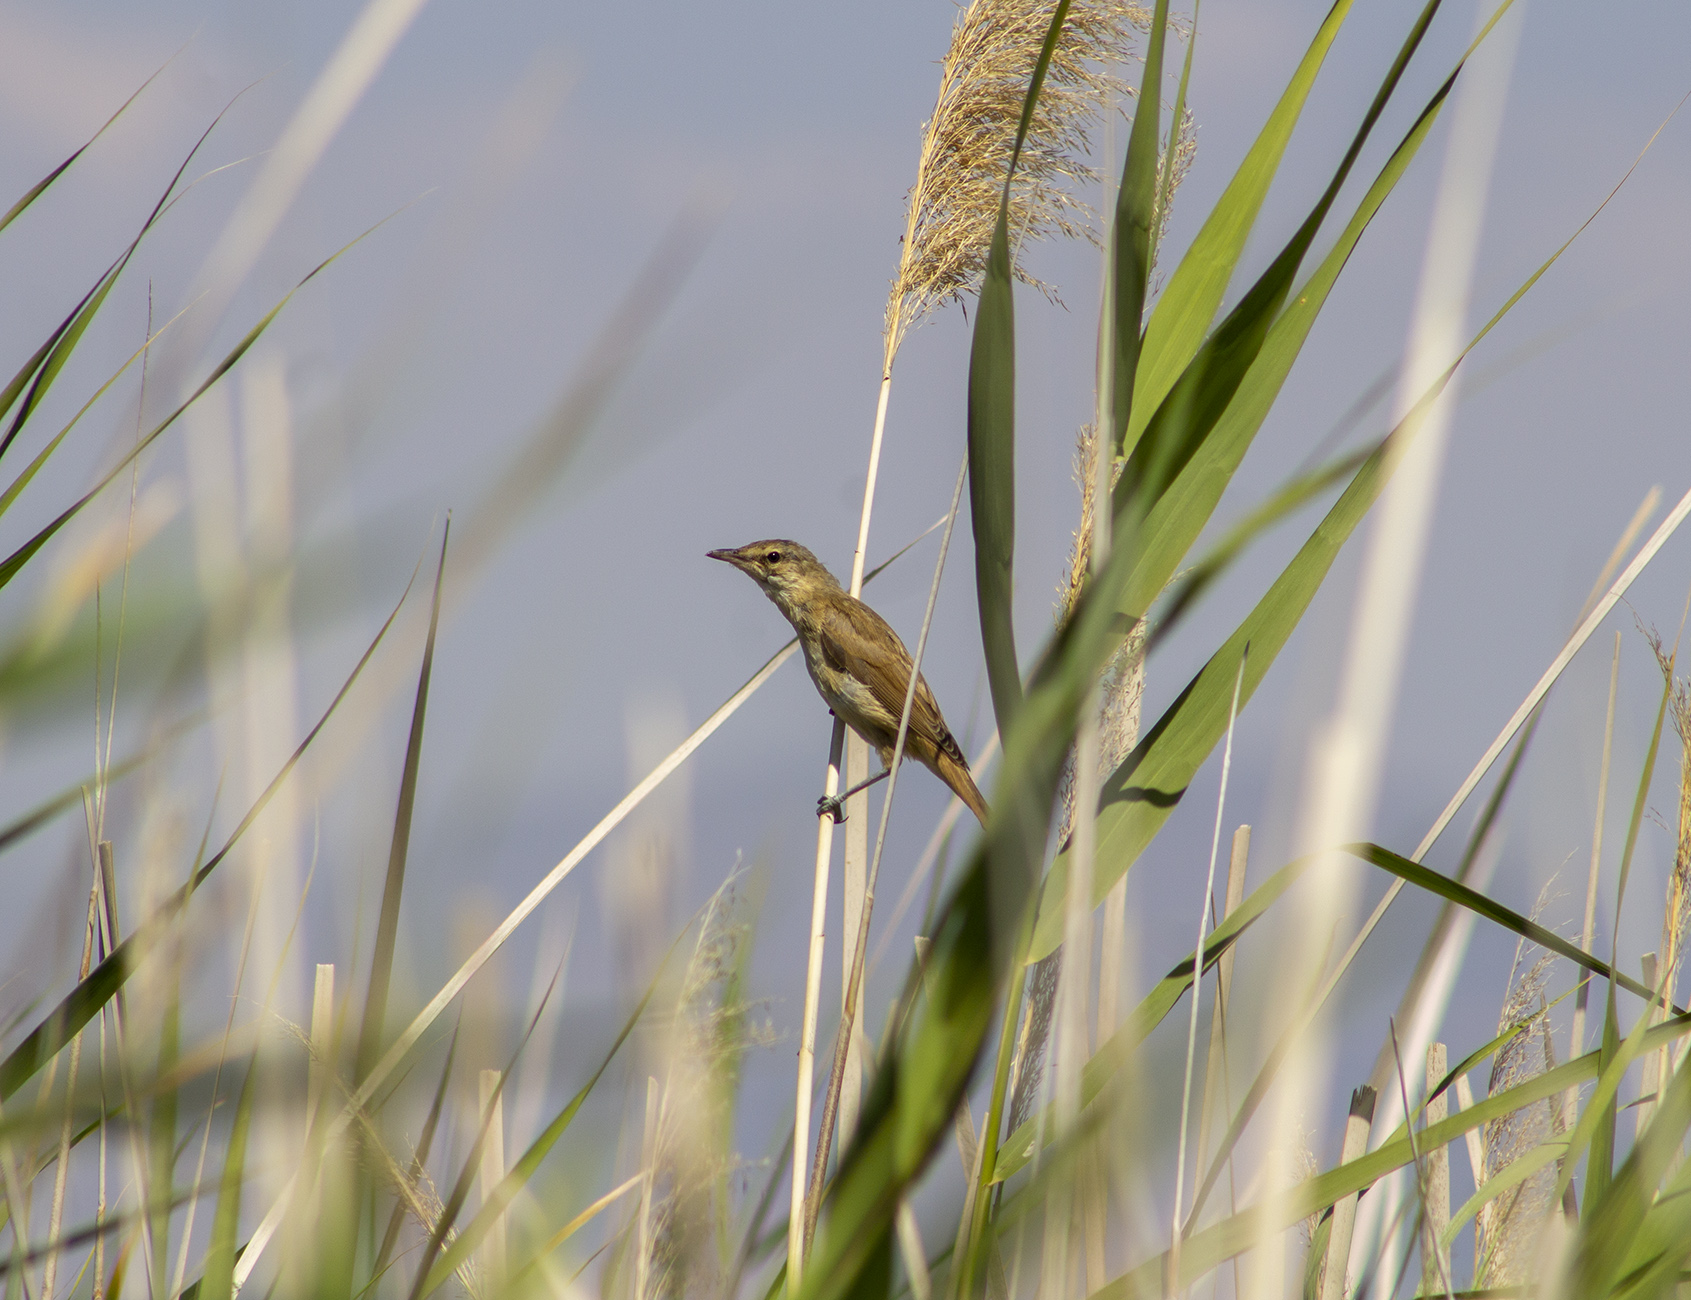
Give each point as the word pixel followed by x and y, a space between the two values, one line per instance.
pixel 61 1171
pixel 489 1173
pixel 1206 905
pixel 854 989
pixel 1435 1258
pixel 1588 929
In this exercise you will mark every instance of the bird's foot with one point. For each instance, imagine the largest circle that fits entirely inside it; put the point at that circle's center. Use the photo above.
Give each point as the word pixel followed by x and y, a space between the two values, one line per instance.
pixel 830 807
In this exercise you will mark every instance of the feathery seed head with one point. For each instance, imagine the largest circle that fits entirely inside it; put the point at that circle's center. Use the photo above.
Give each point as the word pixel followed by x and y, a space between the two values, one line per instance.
pixel 968 141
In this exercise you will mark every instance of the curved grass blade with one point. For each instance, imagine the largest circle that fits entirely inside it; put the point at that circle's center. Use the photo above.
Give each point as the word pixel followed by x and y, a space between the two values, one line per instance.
pixel 387 922
pixel 13 563
pixel 105 980
pixel 992 427
pixel 44 367
pixel 41 186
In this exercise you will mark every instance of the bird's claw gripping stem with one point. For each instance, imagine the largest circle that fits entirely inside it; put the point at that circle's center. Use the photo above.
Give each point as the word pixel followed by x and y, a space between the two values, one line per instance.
pixel 830 807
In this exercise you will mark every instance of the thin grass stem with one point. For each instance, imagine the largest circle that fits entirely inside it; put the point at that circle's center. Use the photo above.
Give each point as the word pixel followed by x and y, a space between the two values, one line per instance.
pixel 1205 907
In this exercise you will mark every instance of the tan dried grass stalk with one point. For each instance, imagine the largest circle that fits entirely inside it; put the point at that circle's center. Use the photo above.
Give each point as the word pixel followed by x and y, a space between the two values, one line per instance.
pixel 968 141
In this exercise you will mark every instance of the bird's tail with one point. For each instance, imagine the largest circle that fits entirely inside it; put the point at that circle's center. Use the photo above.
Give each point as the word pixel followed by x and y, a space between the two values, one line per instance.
pixel 955 774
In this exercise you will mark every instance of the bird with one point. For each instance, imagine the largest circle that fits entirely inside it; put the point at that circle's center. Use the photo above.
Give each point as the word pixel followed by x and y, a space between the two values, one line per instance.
pixel 860 667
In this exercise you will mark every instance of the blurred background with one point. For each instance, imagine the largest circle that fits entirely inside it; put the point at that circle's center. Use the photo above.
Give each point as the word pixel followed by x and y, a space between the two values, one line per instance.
pixel 623 305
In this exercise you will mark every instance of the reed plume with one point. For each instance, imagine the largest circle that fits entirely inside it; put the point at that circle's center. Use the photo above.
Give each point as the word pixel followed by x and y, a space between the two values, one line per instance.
pixel 968 141
pixel 1676 908
pixel 1508 1229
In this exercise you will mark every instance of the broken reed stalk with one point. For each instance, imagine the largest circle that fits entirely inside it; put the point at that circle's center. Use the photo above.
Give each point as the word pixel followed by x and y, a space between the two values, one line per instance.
pixel 967 144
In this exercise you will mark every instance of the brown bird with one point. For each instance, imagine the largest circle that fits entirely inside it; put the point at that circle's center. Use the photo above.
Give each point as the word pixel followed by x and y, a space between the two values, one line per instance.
pixel 859 665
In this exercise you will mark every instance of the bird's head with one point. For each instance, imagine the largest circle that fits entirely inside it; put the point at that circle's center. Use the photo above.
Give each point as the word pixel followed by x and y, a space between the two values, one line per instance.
pixel 787 572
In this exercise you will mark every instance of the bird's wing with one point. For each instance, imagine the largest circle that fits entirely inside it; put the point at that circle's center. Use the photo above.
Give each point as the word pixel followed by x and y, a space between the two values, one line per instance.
pixel 857 640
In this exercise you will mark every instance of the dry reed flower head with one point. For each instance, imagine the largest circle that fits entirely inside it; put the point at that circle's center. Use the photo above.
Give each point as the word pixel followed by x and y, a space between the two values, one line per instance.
pixel 1676 909
pixel 968 141
pixel 1510 1226
pixel 1121 688
pixel 692 1156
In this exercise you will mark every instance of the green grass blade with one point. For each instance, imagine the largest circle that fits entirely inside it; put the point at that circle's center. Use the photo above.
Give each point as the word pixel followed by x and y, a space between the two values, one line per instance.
pixel 420 1159
pixel 14 563
pixel 992 427
pixel 1182 420
pixel 1203 1250
pixel 1512 1175
pixel 1662 1244
pixel 992 475
pixel 1136 214
pixel 1182 507
pixel 1614 1217
pixel 1139 795
pixel 54 354
pixel 1194 292
pixel 41 186
pixel 104 982
pixel 1456 892
pixel 218 1275
pixel 387 923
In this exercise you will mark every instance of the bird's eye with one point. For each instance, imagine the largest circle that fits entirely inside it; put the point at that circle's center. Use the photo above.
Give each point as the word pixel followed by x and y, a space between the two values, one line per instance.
pixel 774 557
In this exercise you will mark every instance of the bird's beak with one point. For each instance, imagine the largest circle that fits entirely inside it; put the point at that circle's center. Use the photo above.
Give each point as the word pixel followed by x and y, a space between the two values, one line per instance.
pixel 728 557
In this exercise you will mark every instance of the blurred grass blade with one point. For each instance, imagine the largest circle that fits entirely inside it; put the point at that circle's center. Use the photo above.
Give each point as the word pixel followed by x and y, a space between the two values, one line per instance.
pixel 1136 214
pixel 105 980
pixel 1202 1251
pixel 387 922
pixel 992 427
pixel 467 1173
pixel 524 1170
pixel 1108 1060
pixel 44 367
pixel 1512 1175
pixel 217 1276
pixel 14 563
pixel 41 186
pixel 1596 1127
pixel 420 1158
pixel 1661 1243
